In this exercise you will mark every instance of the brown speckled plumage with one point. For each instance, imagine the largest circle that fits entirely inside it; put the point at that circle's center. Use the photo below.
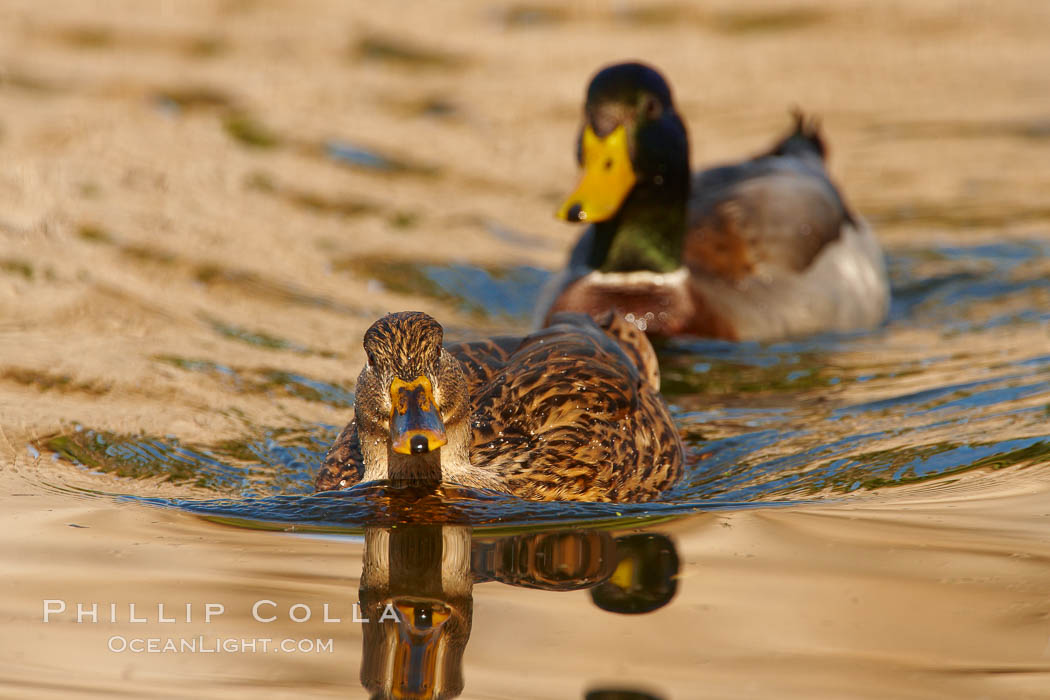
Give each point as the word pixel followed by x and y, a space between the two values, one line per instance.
pixel 407 342
pixel 571 412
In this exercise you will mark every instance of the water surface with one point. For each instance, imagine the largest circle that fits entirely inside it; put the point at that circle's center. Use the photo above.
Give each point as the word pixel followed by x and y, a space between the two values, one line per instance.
pixel 765 424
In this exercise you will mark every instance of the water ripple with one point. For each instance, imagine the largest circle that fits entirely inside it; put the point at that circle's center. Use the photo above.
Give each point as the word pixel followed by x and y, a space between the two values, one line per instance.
pixel 764 424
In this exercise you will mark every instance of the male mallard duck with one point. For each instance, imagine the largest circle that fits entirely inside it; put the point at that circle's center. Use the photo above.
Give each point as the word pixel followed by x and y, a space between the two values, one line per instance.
pixel 571 412
pixel 757 250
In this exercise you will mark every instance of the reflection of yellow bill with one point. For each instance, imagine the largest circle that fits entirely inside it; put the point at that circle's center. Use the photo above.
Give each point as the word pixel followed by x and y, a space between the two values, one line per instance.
pixel 423 616
pixel 420 650
pixel 415 422
pixel 607 178
pixel 623 577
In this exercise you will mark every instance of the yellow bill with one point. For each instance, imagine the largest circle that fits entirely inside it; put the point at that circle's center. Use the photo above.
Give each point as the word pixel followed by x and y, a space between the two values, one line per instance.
pixel 607 178
pixel 415 422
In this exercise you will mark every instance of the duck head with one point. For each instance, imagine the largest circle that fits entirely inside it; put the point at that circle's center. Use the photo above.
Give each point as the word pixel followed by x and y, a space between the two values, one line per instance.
pixel 634 153
pixel 412 404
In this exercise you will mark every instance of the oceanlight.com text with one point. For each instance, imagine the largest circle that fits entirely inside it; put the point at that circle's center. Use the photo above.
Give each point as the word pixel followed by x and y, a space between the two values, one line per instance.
pixel 207 645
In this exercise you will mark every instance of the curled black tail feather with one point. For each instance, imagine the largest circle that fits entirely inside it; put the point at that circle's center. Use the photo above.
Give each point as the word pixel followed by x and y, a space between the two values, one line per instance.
pixel 806 142
pixel 806 138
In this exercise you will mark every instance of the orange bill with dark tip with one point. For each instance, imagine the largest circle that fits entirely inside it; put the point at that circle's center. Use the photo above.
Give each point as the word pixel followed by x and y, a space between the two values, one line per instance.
pixel 420 650
pixel 415 422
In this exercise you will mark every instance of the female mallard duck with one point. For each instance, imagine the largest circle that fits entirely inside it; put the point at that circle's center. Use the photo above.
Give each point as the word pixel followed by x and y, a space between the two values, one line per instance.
pixel 757 250
pixel 572 412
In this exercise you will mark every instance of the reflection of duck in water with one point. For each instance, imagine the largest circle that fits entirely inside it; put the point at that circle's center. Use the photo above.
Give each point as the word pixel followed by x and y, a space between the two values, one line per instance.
pixel 757 250
pixel 646 575
pixel 427 574
pixel 570 412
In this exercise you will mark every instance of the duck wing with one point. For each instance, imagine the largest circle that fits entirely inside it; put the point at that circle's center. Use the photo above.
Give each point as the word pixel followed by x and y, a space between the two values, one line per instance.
pixel 343 464
pixel 570 416
pixel 761 218
pixel 483 359
pixel 770 215
pixel 571 365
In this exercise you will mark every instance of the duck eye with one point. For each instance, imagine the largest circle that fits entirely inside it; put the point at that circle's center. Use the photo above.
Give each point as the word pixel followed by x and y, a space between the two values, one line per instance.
pixel 651 108
pixel 608 163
